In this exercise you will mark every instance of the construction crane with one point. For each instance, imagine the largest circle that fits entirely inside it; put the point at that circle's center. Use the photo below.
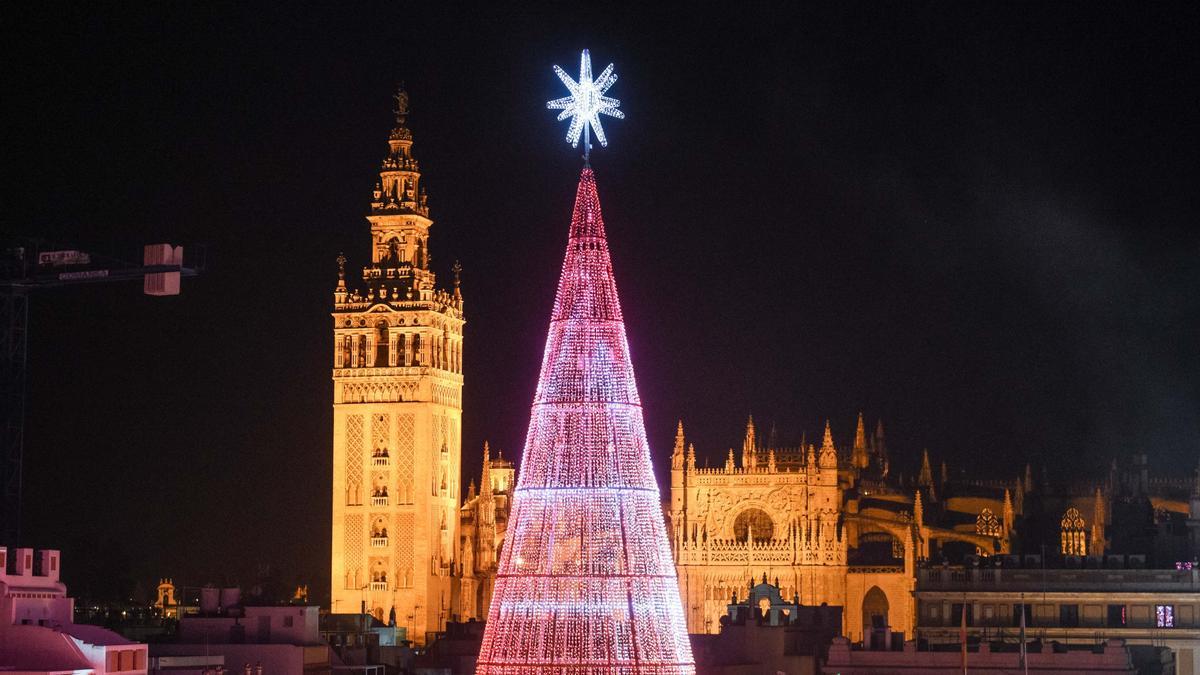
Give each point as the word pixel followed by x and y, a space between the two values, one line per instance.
pixel 31 265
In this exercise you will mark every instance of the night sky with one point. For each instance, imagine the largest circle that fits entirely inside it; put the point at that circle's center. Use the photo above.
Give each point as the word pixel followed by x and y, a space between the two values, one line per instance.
pixel 976 222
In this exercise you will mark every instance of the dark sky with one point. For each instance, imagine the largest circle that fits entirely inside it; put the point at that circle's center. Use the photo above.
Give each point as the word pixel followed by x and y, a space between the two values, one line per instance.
pixel 976 222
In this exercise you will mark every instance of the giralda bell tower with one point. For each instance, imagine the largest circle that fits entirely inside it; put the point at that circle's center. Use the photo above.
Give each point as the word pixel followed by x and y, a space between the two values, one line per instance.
pixel 397 412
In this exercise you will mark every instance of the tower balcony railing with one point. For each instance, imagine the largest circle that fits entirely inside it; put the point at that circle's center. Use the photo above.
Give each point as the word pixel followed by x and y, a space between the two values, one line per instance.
pixel 380 460
pixel 379 542
pixel 379 501
pixel 378 585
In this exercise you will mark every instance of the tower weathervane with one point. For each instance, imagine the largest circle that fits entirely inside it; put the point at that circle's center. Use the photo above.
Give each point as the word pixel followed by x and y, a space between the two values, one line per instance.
pixel 586 102
pixel 401 97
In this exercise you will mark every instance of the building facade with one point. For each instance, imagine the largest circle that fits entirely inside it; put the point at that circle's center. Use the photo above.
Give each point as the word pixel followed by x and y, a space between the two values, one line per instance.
pixel 1090 599
pixel 786 514
pixel 483 522
pixel 397 412
pixel 38 633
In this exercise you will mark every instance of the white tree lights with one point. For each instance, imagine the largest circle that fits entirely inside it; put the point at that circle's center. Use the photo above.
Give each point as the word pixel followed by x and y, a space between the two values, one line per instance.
pixel 586 584
pixel 586 103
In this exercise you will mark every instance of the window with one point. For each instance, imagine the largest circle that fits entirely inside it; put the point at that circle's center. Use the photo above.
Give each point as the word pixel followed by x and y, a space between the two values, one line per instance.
pixel 1116 615
pixel 1164 616
pixel 1016 614
pixel 1073 533
pixel 1068 616
pixel 987 525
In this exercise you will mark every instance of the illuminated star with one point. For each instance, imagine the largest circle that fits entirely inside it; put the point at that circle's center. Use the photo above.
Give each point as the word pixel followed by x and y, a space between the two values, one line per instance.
pixel 586 102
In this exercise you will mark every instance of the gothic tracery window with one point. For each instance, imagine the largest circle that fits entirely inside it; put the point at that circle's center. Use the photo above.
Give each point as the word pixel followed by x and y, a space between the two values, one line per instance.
pixel 1074 533
pixel 987 525
pixel 753 522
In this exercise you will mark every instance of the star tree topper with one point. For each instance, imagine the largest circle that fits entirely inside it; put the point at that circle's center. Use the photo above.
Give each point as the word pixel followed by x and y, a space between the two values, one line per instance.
pixel 586 102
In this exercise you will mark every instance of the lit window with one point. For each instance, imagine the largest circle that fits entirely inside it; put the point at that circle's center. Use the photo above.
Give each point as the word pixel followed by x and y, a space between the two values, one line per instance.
pixel 1165 616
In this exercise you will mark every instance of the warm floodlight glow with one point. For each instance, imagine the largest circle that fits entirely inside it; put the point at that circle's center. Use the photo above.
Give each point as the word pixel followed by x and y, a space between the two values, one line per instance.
pixel 586 102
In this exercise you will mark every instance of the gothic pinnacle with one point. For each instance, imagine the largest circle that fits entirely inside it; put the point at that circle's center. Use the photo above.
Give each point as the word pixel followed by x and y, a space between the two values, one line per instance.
pixel 677 450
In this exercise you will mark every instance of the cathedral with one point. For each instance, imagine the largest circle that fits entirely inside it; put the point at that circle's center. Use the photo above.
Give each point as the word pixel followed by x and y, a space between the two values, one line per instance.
pixel 397 413
pixel 833 523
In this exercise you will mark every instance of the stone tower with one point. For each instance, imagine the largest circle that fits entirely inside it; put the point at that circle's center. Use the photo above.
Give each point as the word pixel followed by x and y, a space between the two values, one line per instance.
pixel 397 412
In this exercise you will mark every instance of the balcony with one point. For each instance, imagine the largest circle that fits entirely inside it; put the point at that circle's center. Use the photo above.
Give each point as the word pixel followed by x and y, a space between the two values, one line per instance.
pixel 379 542
pixel 383 460
pixel 379 501
pixel 379 585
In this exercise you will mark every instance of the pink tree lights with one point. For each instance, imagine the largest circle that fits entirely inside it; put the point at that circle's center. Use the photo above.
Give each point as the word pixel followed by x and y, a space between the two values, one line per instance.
pixel 586 582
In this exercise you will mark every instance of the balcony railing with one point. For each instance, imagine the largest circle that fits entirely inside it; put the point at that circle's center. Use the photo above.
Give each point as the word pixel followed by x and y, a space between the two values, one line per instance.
pixel 379 501
pixel 380 461
pixel 379 585
pixel 379 542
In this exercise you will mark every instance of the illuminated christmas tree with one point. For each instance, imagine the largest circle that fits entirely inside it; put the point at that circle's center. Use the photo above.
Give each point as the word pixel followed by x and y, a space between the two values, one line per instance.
pixel 586 583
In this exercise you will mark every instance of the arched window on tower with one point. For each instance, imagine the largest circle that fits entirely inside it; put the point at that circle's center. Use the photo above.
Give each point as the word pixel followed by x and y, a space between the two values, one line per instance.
pixel 1074 533
pixel 393 256
pixel 381 344
pixel 416 349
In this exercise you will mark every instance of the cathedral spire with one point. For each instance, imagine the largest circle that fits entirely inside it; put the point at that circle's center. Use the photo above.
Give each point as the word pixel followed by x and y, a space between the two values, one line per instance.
pixel 1007 513
pixel 749 446
pixel 828 451
pixel 925 478
pixel 918 510
pixel 859 457
pixel 485 479
pixel 691 457
pixel 677 454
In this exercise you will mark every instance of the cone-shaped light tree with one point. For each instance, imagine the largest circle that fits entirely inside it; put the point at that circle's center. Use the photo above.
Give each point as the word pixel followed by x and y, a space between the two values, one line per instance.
pixel 586 583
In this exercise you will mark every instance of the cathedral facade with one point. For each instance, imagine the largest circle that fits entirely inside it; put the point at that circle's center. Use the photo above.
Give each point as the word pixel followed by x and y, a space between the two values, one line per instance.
pixel 781 513
pixel 397 413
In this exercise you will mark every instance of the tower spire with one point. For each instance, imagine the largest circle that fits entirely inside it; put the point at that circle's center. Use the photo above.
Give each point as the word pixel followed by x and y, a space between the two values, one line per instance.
pixel 586 475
